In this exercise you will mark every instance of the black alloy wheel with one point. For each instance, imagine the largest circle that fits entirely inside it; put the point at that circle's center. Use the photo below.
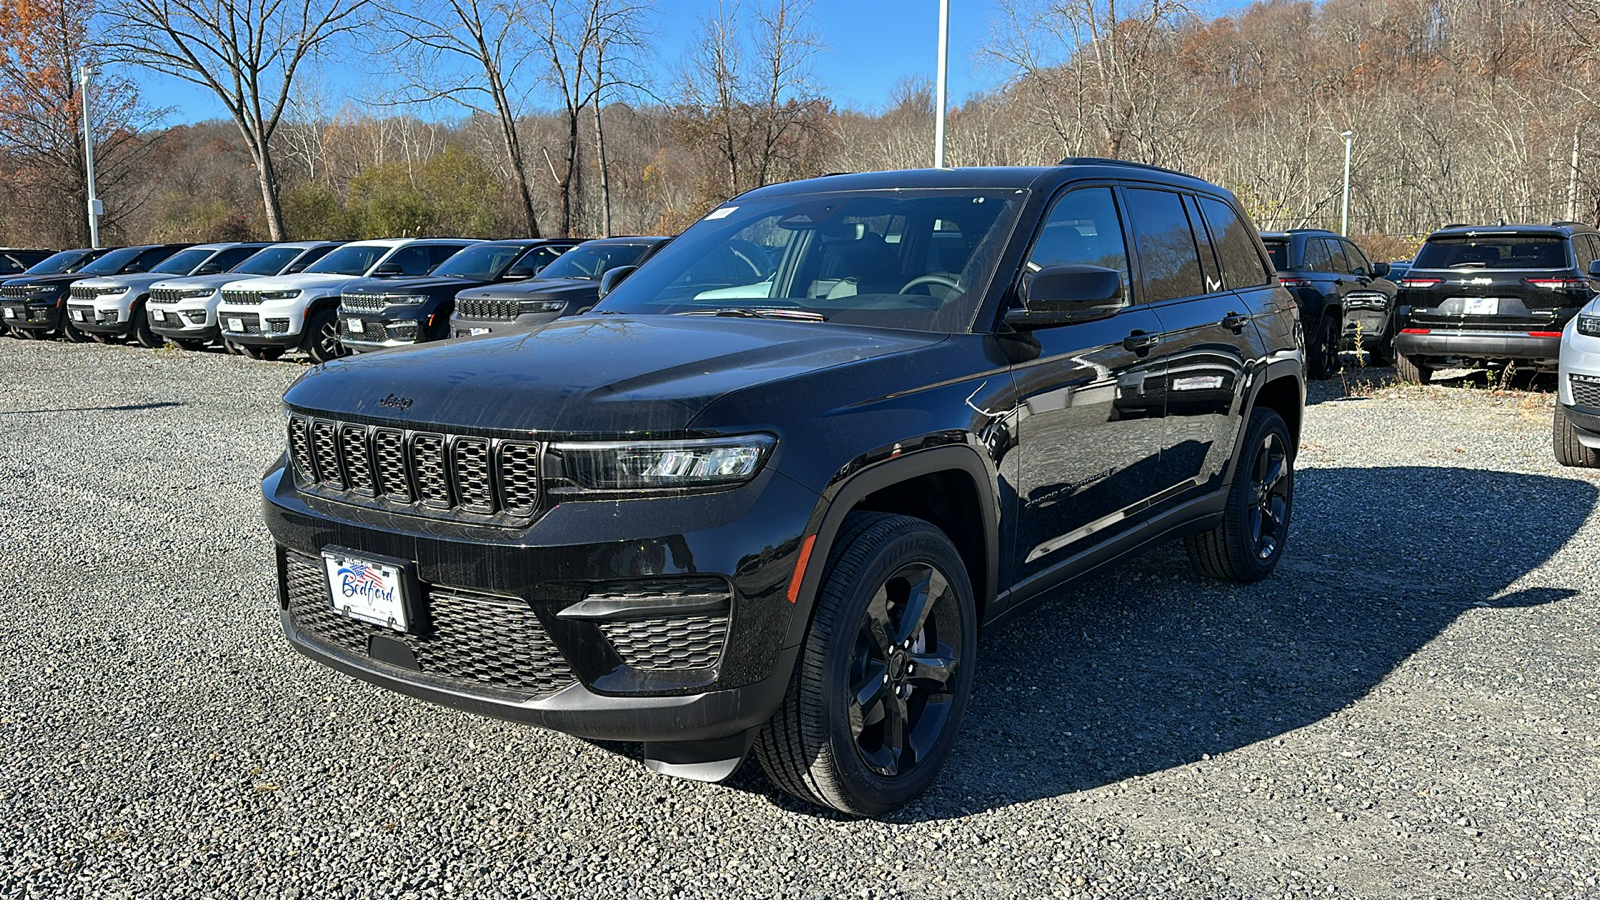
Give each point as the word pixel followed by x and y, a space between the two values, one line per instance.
pixel 1322 350
pixel 1248 543
pixel 322 337
pixel 883 679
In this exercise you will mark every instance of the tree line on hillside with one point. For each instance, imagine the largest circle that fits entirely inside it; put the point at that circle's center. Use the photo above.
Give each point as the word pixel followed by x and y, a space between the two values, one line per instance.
pixel 1462 110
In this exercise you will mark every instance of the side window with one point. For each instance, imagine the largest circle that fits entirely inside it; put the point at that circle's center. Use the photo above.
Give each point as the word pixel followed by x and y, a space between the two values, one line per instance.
pixel 1167 255
pixel 1358 260
pixel 1083 228
pixel 412 261
pixel 1583 249
pixel 1316 256
pixel 438 253
pixel 1336 261
pixel 1241 262
pixel 227 259
pixel 306 259
pixel 1210 269
pixel 150 259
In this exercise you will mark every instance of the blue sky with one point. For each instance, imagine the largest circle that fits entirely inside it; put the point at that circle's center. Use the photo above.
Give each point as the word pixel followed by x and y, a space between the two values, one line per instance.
pixel 871 45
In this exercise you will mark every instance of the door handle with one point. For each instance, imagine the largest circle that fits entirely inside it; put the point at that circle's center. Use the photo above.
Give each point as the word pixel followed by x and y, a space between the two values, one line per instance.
pixel 1140 341
pixel 1235 321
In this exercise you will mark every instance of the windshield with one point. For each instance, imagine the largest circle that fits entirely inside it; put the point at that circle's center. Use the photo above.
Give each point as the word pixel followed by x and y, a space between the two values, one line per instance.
pixel 112 262
pixel 590 261
pixel 1279 251
pixel 64 263
pixel 915 259
pixel 484 262
pixel 184 262
pixel 1494 251
pixel 351 259
pixel 268 262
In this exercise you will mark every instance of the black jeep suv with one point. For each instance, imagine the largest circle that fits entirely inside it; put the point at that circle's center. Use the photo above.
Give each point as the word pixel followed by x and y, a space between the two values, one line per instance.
pixel 394 312
pixel 46 300
pixel 36 296
pixel 1482 296
pixel 568 286
pixel 1345 300
pixel 711 516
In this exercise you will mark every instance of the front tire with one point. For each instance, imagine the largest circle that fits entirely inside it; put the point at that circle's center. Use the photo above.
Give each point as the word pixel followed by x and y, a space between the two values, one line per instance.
pixel 884 676
pixel 1248 543
pixel 1569 452
pixel 322 337
pixel 141 331
pixel 1410 371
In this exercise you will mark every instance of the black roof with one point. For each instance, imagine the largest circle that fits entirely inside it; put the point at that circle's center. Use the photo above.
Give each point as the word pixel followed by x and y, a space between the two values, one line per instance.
pixel 1020 177
pixel 1561 229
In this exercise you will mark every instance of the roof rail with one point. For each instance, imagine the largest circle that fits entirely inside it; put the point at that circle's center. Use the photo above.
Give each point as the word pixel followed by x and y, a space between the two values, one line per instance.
pixel 1569 223
pixel 1459 225
pixel 1103 161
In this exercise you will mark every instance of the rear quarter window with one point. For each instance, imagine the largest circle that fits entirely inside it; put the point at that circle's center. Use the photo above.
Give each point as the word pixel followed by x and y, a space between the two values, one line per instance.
pixel 1231 235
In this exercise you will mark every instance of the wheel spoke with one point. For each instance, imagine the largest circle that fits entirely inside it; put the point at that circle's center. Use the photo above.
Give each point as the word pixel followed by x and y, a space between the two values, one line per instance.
pixel 932 671
pixel 894 730
pixel 1277 470
pixel 925 592
pixel 878 620
pixel 866 697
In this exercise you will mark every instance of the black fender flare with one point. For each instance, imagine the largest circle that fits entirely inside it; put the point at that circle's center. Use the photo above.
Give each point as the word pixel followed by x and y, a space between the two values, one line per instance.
pixel 839 498
pixel 1283 366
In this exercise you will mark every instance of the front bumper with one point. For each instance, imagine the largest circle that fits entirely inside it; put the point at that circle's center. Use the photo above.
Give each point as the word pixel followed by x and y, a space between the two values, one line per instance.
pixel 1444 345
pixel 461 326
pixel 378 331
pixel 96 319
pixel 501 638
pixel 31 315
pixel 189 322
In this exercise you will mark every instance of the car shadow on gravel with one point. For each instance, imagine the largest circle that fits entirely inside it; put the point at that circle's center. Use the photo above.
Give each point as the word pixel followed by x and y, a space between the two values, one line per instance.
pixel 130 407
pixel 1149 666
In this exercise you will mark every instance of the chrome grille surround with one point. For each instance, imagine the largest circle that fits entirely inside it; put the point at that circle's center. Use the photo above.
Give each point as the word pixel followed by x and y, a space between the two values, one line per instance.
pixel 485 308
pixel 427 473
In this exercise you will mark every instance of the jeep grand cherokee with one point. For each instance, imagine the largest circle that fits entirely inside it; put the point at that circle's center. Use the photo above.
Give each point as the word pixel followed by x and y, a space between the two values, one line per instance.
pixel 714 516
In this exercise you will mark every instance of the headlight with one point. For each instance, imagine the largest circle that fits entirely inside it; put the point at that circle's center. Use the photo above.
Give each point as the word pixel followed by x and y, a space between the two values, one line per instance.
pixel 41 290
pixel 197 293
pixel 113 291
pixel 405 299
pixel 280 295
pixel 665 464
pixel 1589 325
pixel 539 306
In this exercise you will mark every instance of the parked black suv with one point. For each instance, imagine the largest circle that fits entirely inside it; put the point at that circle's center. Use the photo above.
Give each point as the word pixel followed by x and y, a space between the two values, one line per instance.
pixel 35 296
pixel 47 302
pixel 394 312
pixel 711 516
pixel 1345 300
pixel 15 261
pixel 568 286
pixel 1491 295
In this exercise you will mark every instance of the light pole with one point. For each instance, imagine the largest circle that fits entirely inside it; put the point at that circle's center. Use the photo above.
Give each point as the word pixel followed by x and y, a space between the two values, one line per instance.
pixel 939 87
pixel 84 74
pixel 1344 214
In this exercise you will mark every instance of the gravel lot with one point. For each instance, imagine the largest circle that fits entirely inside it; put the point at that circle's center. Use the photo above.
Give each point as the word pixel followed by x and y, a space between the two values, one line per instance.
pixel 1408 709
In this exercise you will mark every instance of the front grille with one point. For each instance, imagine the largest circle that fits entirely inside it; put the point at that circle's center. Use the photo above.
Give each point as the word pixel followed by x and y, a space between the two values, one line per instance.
pixel 681 642
pixel 364 302
pixel 14 292
pixel 1584 392
pixel 165 295
pixel 470 639
pixel 435 474
pixel 242 297
pixel 476 308
pixel 78 292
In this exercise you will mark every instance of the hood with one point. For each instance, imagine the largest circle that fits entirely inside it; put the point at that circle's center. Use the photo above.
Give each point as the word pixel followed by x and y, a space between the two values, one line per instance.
pixel 536 288
pixel 133 280
pixel 194 282
pixel 300 282
pixel 402 285
pixel 597 376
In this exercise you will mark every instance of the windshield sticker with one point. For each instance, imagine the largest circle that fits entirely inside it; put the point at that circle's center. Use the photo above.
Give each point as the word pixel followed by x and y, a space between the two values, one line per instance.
pixel 722 213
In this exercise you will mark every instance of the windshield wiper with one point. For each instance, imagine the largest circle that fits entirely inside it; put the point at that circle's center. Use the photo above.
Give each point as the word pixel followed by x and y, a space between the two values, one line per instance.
pixel 749 312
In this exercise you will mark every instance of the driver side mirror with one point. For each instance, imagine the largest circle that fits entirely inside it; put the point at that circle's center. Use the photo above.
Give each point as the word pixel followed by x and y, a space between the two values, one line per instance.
pixel 613 277
pixel 388 270
pixel 1380 270
pixel 1065 295
pixel 1594 269
pixel 521 270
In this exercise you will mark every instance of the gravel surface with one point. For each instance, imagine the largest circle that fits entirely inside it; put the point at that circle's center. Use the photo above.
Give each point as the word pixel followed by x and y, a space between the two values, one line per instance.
pixel 1407 709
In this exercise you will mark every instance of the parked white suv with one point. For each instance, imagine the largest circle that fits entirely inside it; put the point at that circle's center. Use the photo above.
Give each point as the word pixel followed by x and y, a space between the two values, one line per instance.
pixel 1576 437
pixel 266 317
pixel 112 308
pixel 184 310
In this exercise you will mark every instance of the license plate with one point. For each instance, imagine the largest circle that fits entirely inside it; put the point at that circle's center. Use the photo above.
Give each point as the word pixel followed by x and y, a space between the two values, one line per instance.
pixel 157 315
pixel 355 325
pixel 477 331
pixel 77 315
pixel 1481 306
pixel 11 313
pixel 236 325
pixel 366 590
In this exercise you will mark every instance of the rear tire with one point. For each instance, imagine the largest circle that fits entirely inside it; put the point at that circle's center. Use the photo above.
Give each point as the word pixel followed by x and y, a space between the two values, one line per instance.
pixel 322 337
pixel 1248 543
pixel 1569 452
pixel 884 675
pixel 1322 350
pixel 1411 372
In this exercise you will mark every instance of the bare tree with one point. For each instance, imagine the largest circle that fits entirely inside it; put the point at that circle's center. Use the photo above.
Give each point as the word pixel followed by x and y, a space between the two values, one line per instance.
pixel 620 36
pixel 247 52
pixel 477 54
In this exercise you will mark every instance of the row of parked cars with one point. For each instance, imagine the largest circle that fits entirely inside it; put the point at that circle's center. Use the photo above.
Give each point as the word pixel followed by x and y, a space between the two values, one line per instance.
pixel 324 298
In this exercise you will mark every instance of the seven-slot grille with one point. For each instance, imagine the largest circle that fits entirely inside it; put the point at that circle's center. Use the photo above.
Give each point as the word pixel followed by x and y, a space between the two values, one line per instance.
pixel 247 298
pixel 1584 391
pixel 15 292
pixel 166 295
pixel 476 640
pixel 364 302
pixel 483 308
pixel 435 474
